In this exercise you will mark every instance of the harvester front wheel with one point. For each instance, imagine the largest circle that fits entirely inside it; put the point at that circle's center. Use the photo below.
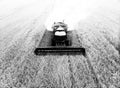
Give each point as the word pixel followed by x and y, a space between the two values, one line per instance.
pixel 68 43
pixel 53 42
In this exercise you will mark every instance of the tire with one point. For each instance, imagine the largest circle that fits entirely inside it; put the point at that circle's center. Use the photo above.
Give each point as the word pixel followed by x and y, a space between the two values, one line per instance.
pixel 53 43
pixel 67 42
pixel 70 43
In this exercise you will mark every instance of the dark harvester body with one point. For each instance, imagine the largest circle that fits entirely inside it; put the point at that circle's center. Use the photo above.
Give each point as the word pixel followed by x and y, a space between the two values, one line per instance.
pixel 60 41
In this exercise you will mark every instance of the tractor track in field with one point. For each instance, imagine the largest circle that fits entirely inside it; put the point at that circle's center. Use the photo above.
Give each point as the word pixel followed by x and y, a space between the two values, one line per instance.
pixel 93 74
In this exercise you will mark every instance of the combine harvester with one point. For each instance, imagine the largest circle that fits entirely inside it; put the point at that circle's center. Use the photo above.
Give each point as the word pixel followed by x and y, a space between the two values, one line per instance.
pixel 60 41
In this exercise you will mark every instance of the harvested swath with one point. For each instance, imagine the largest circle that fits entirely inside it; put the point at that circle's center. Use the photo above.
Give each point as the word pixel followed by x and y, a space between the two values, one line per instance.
pixel 101 47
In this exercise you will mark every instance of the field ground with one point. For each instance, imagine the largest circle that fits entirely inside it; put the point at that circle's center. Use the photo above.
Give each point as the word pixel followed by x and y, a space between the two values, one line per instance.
pixel 21 31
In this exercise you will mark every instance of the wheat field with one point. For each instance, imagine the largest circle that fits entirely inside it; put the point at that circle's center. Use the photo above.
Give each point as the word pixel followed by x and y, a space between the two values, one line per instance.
pixel 21 29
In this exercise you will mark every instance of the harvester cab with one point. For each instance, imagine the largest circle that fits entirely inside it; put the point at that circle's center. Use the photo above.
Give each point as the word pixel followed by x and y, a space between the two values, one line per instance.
pixel 60 35
pixel 60 41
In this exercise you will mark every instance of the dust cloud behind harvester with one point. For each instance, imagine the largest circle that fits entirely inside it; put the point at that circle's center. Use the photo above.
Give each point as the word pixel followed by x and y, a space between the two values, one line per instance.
pixel 73 11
